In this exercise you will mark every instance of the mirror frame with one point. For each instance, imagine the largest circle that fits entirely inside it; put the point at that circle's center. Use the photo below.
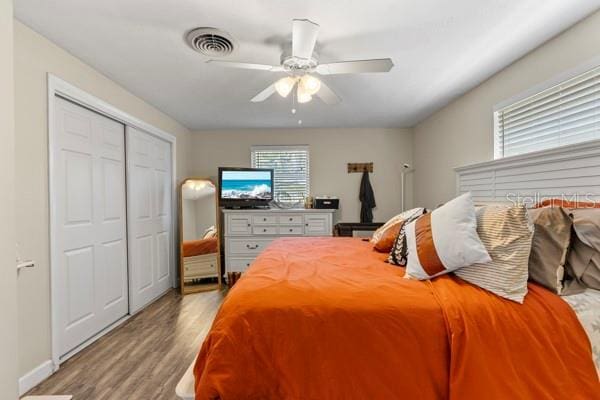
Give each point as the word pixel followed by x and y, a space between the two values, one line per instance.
pixel 208 286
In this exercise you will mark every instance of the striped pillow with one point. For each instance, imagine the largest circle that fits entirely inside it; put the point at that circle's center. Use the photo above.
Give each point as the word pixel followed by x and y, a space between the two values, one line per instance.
pixel 506 233
pixel 444 240
pixel 398 255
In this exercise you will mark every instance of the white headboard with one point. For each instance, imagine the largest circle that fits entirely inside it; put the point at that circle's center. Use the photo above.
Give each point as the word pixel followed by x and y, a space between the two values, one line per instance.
pixel 571 172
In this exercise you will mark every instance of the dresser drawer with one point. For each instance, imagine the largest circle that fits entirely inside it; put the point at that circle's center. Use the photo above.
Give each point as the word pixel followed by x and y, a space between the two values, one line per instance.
pixel 291 230
pixel 239 224
pixel 246 246
pixel 318 225
pixel 264 230
pixel 202 266
pixel 264 219
pixel 291 220
pixel 238 264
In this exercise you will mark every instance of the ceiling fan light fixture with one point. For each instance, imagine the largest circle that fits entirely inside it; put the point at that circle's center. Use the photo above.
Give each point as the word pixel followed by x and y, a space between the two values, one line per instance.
pixel 310 84
pixel 285 85
pixel 303 96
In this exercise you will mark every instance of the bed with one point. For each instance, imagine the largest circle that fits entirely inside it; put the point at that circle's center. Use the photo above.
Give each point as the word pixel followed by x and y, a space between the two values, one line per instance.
pixel 327 318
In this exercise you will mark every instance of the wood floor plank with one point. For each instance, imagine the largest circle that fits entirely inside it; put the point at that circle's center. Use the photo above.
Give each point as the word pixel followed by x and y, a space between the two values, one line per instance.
pixel 142 359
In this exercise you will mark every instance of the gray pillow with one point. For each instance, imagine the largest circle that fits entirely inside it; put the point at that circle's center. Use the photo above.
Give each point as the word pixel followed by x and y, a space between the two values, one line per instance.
pixel 550 246
pixel 583 262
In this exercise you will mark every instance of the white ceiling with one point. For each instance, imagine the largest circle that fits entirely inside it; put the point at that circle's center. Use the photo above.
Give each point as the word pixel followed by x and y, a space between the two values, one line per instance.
pixel 440 49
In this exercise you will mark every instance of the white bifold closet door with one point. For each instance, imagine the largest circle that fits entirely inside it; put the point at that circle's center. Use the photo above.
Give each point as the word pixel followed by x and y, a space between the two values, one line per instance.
pixel 149 188
pixel 89 235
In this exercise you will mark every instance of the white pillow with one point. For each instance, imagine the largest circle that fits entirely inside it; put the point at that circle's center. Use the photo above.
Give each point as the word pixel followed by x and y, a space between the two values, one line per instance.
pixel 444 240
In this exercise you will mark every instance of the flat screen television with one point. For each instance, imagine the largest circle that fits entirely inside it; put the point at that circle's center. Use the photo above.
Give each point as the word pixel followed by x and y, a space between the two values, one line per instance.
pixel 245 187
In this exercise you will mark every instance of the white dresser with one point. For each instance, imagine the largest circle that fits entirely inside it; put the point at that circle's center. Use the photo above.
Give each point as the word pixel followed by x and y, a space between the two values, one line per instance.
pixel 248 232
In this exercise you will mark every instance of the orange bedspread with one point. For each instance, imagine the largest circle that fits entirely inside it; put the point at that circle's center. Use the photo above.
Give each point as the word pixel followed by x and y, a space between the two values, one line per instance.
pixel 199 247
pixel 326 318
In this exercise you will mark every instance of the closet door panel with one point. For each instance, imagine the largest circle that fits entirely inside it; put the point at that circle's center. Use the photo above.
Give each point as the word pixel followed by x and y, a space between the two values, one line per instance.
pixel 149 187
pixel 89 233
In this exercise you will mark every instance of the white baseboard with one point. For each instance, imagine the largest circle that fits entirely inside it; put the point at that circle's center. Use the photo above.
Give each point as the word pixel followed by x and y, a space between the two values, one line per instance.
pixel 35 376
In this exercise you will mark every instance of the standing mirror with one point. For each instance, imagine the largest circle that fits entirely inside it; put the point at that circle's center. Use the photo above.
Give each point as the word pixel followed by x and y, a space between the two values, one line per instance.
pixel 199 267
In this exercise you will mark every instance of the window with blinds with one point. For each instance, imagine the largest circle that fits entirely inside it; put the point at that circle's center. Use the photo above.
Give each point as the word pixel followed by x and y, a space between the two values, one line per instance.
pixel 291 170
pixel 564 114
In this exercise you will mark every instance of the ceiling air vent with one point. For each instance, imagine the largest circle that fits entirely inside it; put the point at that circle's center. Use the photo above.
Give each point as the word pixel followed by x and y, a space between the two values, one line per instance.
pixel 211 42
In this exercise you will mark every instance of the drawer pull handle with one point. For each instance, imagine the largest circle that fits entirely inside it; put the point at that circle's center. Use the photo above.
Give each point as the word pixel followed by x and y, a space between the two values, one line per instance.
pixel 264 220
pixel 249 224
pixel 291 219
pixel 247 264
pixel 252 247
pixel 306 224
pixel 291 230
pixel 264 229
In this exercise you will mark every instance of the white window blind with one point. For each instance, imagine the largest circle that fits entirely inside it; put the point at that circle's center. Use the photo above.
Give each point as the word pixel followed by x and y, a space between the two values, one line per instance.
pixel 291 170
pixel 564 114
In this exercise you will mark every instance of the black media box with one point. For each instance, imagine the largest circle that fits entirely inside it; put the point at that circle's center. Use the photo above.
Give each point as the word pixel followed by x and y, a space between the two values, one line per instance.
pixel 326 202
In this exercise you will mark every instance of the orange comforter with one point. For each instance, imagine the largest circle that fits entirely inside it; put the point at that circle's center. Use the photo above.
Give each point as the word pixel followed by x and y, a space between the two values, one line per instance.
pixel 199 247
pixel 326 318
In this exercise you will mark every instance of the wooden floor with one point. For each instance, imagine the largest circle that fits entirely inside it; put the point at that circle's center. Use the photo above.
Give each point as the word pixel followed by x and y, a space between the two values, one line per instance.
pixel 142 359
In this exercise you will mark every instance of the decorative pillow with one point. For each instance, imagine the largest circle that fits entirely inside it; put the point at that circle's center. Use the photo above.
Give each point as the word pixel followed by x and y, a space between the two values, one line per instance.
pixel 385 243
pixel 549 247
pixel 398 253
pixel 210 233
pixel 383 238
pixel 506 234
pixel 567 203
pixel 444 240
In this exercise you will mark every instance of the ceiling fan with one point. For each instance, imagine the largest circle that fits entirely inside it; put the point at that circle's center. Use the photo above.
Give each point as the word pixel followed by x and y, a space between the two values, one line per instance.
pixel 301 63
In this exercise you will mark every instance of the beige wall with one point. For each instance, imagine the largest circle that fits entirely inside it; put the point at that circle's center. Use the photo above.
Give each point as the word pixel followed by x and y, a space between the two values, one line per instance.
pixel 8 274
pixel 462 132
pixel 330 151
pixel 35 56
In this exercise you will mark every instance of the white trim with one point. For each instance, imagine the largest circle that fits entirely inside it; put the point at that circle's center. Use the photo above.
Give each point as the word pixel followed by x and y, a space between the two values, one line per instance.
pixel 59 87
pixel 281 147
pixel 35 376
pixel 547 84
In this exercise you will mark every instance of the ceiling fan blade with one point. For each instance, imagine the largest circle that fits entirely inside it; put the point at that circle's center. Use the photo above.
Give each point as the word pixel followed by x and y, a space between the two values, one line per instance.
pixel 327 95
pixel 242 65
pixel 355 67
pixel 265 94
pixel 304 38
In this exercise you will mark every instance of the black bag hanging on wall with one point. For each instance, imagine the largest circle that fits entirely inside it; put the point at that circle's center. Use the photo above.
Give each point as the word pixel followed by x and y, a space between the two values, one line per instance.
pixel 367 199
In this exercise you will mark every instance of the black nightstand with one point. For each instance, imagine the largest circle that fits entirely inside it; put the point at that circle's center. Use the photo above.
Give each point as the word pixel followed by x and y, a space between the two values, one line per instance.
pixel 358 229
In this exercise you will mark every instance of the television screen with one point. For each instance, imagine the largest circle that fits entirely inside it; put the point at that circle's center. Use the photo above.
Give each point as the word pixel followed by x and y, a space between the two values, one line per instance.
pixel 247 185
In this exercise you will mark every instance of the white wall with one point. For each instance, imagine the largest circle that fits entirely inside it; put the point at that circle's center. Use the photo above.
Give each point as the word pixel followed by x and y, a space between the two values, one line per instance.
pixel 462 132
pixel 330 151
pixel 35 56
pixel 206 213
pixel 8 275
pixel 188 219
